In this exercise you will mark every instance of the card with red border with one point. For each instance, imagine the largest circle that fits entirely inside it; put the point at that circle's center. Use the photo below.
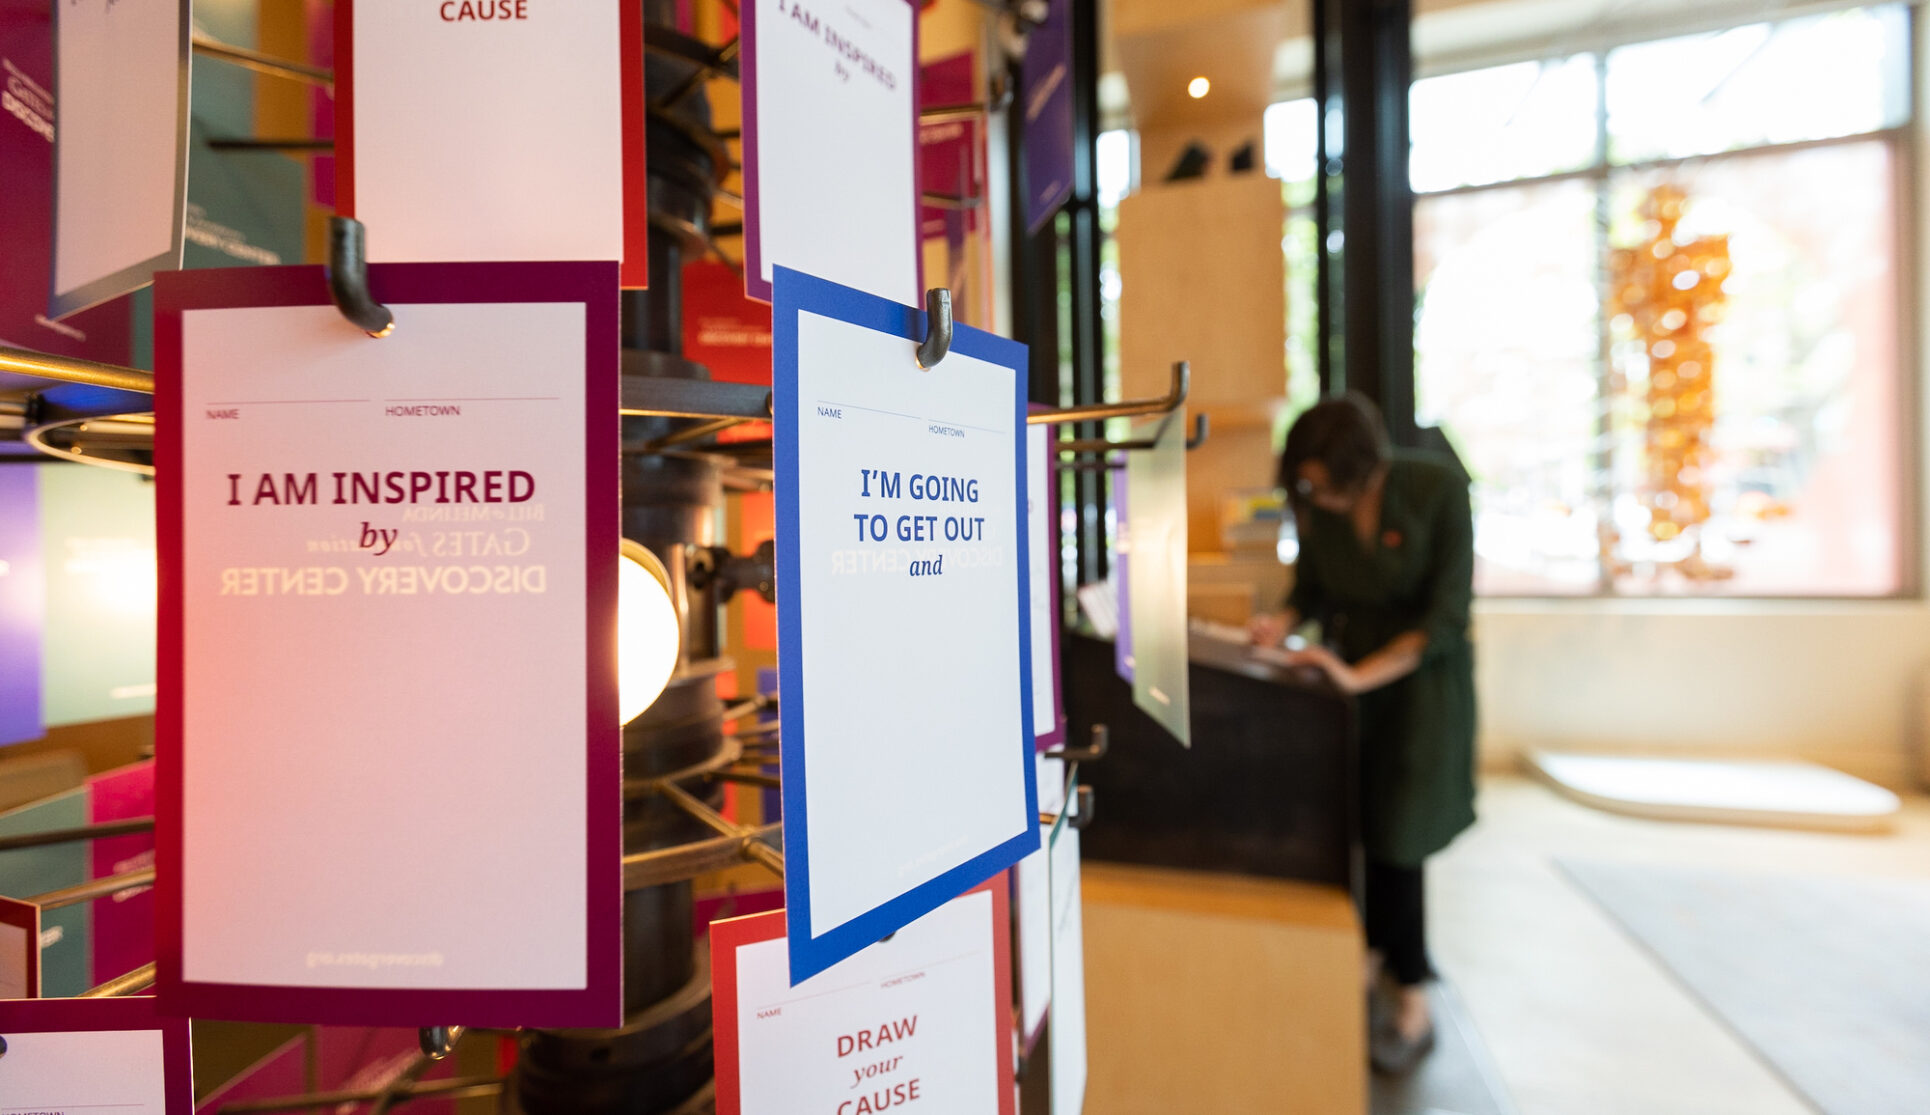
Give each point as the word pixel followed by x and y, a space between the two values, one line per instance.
pixel 66 1055
pixel 921 1021
pixel 478 130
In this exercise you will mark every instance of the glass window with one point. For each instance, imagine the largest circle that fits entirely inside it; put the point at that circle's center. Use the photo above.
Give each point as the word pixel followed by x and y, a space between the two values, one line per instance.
pixel 1675 369
pixel 1518 121
pixel 1800 492
pixel 1821 77
pixel 1505 347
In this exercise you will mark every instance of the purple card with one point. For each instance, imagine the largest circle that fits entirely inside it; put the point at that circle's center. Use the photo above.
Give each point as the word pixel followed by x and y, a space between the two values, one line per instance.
pixel 22 604
pixel 831 145
pixel 1045 82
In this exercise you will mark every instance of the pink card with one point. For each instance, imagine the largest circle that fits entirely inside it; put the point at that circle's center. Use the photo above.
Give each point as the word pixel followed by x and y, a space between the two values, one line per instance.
pixel 921 1020
pixel 123 936
pixel 388 737
pixel 61 1055
pixel 494 130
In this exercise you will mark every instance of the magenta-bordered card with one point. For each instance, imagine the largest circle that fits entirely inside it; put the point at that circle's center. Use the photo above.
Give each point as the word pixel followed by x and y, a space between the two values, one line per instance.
pixel 387 733
pixel 85 1055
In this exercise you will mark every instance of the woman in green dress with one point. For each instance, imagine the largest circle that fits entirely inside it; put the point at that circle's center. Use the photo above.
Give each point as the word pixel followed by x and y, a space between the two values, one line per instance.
pixel 1386 567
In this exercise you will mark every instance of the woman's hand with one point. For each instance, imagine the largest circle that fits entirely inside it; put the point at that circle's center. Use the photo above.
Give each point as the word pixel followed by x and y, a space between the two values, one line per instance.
pixel 1268 629
pixel 1345 678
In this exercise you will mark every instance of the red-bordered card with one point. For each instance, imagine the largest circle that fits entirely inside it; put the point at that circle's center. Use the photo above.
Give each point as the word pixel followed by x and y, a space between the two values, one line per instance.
pixel 477 130
pixel 388 753
pixel 19 949
pixel 921 1020
pixel 94 1054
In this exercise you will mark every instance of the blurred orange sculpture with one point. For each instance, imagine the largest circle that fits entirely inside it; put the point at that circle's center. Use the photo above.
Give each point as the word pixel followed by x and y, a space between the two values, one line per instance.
pixel 1668 293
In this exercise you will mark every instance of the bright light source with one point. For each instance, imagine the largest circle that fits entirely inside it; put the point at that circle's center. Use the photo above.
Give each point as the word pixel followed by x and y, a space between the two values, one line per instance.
pixel 648 635
pixel 1198 87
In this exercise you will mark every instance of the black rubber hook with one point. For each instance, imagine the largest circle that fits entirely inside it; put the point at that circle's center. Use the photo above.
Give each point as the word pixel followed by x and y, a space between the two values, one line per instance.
pixel 938 327
pixel 348 278
pixel 438 1042
pixel 3 1047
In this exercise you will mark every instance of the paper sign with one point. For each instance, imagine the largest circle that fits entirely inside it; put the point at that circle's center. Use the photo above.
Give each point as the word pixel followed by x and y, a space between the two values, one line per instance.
pixel 120 148
pixel 388 604
pixel 920 1022
pixel 903 616
pixel 79 1055
pixel 1153 625
pixel 19 949
pixel 831 144
pixel 493 130
pixel 1068 1028
pixel 723 330
pixel 97 546
pixel 1032 896
pixel 27 182
pixel 1042 539
pixel 1045 83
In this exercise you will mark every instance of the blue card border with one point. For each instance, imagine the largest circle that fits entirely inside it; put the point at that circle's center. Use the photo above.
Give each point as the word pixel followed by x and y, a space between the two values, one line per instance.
pixel 794 292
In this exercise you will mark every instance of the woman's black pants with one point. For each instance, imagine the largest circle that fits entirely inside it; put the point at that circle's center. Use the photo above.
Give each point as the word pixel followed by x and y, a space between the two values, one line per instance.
pixel 1396 923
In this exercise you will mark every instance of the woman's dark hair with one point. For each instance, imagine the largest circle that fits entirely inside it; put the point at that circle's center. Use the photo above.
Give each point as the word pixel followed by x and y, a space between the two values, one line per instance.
pixel 1343 433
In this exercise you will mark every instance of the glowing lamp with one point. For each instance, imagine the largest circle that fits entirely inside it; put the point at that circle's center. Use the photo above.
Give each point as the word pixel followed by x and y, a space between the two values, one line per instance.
pixel 648 634
pixel 1198 87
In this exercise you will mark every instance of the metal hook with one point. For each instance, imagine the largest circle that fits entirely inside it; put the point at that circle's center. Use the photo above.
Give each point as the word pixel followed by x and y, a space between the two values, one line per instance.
pixel 938 328
pixel 438 1042
pixel 1174 398
pixel 1101 445
pixel 348 278
pixel 3 1047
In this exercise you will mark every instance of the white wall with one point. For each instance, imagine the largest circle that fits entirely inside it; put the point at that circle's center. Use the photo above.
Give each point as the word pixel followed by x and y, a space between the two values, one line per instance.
pixel 1838 683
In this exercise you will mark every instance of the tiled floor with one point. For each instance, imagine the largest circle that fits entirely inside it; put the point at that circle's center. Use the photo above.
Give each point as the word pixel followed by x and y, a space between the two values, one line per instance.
pixel 1578 1019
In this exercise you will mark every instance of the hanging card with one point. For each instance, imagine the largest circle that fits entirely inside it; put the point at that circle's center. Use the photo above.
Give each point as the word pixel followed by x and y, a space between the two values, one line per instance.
pixel 493 130
pixel 120 147
pixel 19 949
pixel 831 144
pixel 903 616
pixel 920 1022
pixel 389 785
pixel 1068 1029
pixel 85 1055
pixel 1042 544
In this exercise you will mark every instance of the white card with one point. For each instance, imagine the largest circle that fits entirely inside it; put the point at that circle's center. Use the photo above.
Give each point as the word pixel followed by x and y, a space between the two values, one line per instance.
pixel 902 645
pixel 492 138
pixel 1032 892
pixel 389 738
pixel 120 147
pixel 921 1021
pixel 831 144
pixel 1068 1030
pixel 1042 537
pixel 76 1056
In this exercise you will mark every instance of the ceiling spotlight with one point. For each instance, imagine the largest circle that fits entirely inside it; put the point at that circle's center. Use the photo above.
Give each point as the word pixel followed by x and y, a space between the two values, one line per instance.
pixel 648 633
pixel 1198 87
